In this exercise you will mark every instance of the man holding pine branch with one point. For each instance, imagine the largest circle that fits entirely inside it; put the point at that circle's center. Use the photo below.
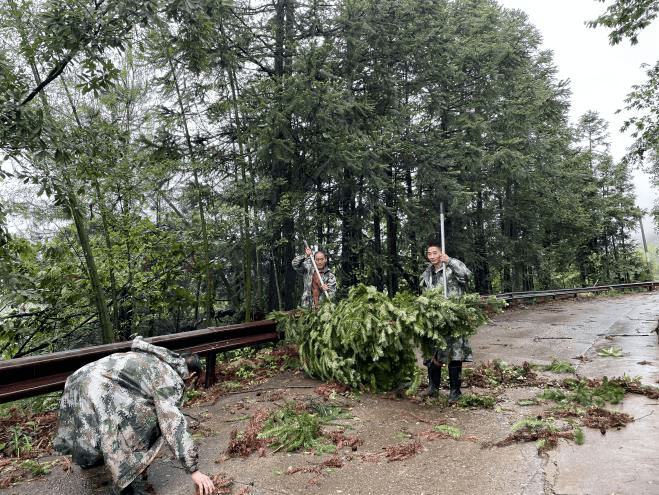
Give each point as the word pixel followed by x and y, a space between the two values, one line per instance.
pixel 459 349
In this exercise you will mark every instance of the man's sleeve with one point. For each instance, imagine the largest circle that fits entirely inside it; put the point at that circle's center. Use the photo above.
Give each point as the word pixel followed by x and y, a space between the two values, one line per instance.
pixel 423 282
pixel 299 263
pixel 460 270
pixel 331 283
pixel 174 427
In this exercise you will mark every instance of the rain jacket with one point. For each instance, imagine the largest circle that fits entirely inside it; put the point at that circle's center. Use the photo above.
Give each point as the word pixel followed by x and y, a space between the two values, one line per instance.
pixel 120 410
pixel 457 276
pixel 303 265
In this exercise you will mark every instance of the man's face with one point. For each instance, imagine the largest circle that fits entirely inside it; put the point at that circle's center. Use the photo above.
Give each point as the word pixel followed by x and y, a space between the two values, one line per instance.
pixel 434 254
pixel 320 260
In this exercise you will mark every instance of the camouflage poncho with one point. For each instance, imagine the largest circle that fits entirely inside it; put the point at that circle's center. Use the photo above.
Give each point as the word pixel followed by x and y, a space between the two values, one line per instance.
pixel 303 265
pixel 119 410
pixel 457 276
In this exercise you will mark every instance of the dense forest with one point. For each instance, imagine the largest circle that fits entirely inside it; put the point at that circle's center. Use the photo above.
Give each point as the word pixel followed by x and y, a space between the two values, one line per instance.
pixel 167 158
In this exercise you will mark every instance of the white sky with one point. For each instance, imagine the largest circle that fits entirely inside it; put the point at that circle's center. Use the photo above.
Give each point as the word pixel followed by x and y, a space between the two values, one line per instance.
pixel 600 75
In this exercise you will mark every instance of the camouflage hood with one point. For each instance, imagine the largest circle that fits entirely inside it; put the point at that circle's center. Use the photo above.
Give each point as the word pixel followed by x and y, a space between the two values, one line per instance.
pixel 165 355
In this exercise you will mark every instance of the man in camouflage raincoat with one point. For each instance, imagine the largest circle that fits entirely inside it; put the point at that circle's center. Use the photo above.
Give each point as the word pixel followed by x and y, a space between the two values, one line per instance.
pixel 457 350
pixel 120 410
pixel 314 290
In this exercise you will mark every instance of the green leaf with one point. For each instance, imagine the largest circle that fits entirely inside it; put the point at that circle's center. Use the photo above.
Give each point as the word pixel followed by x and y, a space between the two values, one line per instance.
pixel 610 352
pixel 453 431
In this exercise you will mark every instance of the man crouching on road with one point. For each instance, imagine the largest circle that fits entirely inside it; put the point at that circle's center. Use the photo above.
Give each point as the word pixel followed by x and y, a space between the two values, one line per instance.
pixel 119 411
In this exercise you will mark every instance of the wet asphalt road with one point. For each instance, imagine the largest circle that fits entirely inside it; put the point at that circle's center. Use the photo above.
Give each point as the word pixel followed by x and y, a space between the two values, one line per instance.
pixel 619 462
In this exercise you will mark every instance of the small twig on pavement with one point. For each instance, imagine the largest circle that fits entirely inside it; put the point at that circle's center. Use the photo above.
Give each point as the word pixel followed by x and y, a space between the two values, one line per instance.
pixel 648 414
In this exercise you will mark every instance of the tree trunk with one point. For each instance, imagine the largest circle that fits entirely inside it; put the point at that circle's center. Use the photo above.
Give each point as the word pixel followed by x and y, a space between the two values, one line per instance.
pixel 348 267
pixel 97 289
pixel 377 249
pixel 481 270
pixel 210 293
pixel 391 216
pixel 104 221
pixel 247 235
pixel 281 167
pixel 81 228
pixel 108 246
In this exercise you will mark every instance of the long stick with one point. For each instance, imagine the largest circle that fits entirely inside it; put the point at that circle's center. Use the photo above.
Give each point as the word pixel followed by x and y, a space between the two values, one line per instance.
pixel 274 270
pixel 441 218
pixel 320 279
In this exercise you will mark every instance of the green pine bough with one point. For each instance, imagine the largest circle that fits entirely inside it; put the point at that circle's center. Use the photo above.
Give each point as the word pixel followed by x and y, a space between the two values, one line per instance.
pixel 368 339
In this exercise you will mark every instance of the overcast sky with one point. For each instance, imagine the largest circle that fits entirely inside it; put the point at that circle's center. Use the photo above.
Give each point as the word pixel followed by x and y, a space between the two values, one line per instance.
pixel 600 75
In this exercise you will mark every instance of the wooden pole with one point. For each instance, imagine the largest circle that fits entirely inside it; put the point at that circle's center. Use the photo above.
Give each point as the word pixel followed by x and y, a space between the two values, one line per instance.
pixel 441 218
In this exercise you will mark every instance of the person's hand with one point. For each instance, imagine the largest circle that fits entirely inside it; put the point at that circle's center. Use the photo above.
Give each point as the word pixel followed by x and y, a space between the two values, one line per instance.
pixel 444 258
pixel 204 484
pixel 307 251
pixel 325 287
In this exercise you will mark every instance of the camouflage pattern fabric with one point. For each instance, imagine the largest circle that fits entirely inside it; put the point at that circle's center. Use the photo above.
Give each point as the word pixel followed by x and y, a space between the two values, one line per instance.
pixel 457 276
pixel 303 265
pixel 120 410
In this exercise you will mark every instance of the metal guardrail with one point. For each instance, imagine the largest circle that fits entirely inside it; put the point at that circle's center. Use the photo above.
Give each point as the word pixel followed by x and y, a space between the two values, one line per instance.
pixel 560 293
pixel 35 375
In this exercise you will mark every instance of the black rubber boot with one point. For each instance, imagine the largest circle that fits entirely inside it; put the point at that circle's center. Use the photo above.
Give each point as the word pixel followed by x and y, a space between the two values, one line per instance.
pixel 126 491
pixel 454 372
pixel 434 379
